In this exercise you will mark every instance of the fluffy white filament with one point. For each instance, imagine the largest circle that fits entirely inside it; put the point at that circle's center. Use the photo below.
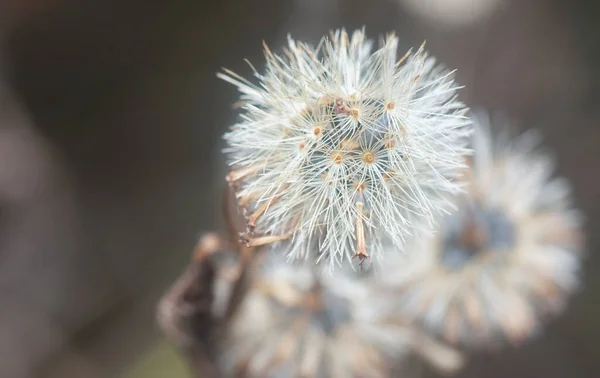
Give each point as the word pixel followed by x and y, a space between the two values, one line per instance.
pixel 507 261
pixel 340 148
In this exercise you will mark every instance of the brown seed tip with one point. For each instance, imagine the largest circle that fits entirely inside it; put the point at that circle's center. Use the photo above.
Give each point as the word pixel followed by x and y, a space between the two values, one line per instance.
pixel 368 157
pixel 390 105
pixel 354 113
pixel 337 157
pixel 317 131
pixel 361 250
pixel 362 256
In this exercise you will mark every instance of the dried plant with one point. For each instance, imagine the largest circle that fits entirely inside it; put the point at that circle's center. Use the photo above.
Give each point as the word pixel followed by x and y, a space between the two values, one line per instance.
pixel 339 147
pixel 269 318
pixel 506 260
pixel 344 153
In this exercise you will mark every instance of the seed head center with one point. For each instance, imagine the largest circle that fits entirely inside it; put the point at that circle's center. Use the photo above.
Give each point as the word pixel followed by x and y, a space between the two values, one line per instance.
pixel 354 113
pixel 337 157
pixel 368 157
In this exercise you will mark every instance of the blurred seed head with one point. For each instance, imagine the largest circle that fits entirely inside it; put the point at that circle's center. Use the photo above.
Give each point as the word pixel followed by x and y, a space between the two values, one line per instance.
pixel 504 262
pixel 268 317
pixel 339 147
pixel 297 322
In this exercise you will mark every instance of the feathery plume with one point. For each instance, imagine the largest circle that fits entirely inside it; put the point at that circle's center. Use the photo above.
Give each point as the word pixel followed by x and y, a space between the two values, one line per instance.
pixel 339 147
pixel 506 260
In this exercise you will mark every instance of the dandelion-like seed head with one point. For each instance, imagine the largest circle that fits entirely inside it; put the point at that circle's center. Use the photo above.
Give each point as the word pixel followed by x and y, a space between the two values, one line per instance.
pixel 294 323
pixel 506 260
pixel 340 147
pixel 238 315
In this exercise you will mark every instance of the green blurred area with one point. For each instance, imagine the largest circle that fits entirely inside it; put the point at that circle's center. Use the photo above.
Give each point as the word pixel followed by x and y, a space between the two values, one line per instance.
pixel 160 361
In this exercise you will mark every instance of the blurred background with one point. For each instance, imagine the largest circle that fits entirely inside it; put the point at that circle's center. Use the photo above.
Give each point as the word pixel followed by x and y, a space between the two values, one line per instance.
pixel 110 165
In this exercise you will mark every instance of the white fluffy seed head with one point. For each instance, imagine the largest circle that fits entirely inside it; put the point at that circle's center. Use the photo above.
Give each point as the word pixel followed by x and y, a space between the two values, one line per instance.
pixel 295 322
pixel 506 261
pixel 341 148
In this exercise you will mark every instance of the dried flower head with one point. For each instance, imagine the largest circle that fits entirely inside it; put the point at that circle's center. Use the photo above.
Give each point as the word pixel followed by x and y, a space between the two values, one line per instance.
pixel 295 322
pixel 339 147
pixel 506 260
pixel 266 317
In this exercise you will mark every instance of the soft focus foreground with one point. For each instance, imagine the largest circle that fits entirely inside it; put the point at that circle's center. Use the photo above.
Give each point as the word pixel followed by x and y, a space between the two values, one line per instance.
pixel 111 163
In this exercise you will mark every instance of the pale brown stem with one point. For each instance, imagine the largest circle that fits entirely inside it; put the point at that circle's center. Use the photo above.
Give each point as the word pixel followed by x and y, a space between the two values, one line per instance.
pixel 240 174
pixel 252 219
pixel 244 200
pixel 404 57
pixel 263 240
pixel 361 248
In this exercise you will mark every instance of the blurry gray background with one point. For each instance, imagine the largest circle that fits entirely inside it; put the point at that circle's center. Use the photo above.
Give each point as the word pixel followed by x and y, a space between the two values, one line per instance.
pixel 110 124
